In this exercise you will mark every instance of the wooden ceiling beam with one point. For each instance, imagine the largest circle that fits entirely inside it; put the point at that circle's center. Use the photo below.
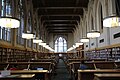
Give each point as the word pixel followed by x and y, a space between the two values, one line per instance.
pixel 58 31
pixel 55 32
pixel 60 28
pixel 61 7
pixel 59 20
pixel 60 25
pixel 60 15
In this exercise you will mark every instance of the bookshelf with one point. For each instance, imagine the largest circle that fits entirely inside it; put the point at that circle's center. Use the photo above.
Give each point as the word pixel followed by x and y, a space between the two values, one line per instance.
pixel 107 53
pixel 12 55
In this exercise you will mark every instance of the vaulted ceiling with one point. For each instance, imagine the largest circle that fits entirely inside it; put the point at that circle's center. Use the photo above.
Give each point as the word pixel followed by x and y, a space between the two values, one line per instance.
pixel 60 16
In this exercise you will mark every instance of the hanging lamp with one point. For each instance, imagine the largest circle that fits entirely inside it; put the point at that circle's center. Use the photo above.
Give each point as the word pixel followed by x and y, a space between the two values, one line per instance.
pixel 114 19
pixel 84 40
pixel 28 35
pixel 37 40
pixel 111 21
pixel 9 22
pixel 93 34
pixel 42 44
pixel 6 19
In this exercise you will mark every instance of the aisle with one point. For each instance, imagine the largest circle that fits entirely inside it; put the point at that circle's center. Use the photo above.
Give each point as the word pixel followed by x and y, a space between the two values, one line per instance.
pixel 61 72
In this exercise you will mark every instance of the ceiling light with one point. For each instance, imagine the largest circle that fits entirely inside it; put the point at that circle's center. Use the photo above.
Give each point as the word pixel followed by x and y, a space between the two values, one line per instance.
pixel 9 22
pixel 28 35
pixel 84 40
pixel 93 34
pixel 42 44
pixel 111 21
pixel 37 40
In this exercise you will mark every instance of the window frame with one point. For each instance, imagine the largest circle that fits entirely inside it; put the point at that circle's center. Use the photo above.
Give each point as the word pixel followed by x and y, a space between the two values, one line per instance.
pixel 60 44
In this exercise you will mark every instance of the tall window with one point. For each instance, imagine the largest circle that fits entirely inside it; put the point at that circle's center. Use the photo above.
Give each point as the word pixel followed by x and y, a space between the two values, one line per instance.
pixel 20 40
pixel 101 17
pixel 117 4
pixel 35 30
pixel 29 28
pixel 60 45
pixel 92 23
pixel 5 33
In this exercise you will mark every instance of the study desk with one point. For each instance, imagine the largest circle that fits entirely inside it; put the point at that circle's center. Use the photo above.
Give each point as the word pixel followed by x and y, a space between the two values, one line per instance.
pixel 107 76
pixel 45 72
pixel 18 77
pixel 89 74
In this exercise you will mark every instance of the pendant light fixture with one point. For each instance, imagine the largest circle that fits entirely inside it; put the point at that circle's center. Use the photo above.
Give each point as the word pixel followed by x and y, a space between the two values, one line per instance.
pixel 37 40
pixel 9 22
pixel 7 19
pixel 28 35
pixel 113 20
pixel 84 40
pixel 42 44
pixel 93 34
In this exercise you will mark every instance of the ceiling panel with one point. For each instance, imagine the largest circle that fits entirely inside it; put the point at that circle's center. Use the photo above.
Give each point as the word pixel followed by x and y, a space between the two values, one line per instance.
pixel 60 15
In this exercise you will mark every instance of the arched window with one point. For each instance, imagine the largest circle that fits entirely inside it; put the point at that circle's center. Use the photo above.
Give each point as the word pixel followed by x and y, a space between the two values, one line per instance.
pixel 92 23
pixel 5 33
pixel 29 28
pixel 117 4
pixel 20 40
pixel 60 45
pixel 101 17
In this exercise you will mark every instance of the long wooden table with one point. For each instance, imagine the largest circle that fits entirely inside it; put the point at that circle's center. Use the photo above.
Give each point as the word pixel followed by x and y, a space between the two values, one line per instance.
pixel 89 74
pixel 45 72
pixel 108 76
pixel 18 77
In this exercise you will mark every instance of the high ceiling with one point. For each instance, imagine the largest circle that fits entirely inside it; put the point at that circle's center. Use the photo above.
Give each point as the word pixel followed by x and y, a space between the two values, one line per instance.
pixel 60 16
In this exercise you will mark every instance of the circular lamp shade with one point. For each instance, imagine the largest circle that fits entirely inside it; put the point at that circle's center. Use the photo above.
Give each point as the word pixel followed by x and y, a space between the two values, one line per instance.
pixel 28 36
pixel 93 34
pixel 37 41
pixel 84 40
pixel 42 44
pixel 111 21
pixel 9 22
